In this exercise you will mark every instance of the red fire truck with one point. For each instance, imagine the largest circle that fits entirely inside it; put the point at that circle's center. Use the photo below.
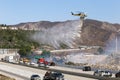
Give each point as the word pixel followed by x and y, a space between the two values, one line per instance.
pixel 42 62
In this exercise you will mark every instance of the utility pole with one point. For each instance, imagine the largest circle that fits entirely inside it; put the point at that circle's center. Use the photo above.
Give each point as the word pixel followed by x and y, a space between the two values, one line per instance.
pixel 116 44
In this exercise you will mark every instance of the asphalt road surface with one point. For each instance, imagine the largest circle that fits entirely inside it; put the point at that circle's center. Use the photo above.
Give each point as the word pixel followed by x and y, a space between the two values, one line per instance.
pixel 23 73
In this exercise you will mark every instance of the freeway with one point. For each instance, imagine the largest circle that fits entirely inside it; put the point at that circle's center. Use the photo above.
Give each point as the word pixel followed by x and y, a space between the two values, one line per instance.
pixel 13 75
pixel 26 72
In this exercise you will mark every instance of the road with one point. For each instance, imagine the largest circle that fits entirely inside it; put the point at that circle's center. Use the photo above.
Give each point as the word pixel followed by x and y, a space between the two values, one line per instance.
pixel 74 70
pixel 12 75
pixel 65 50
pixel 24 73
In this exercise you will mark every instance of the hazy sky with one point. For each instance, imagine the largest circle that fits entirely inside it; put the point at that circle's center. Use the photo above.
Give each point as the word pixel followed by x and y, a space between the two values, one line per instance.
pixel 17 11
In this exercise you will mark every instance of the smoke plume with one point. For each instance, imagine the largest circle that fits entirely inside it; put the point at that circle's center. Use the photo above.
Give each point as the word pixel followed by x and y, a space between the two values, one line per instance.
pixel 62 33
pixel 113 46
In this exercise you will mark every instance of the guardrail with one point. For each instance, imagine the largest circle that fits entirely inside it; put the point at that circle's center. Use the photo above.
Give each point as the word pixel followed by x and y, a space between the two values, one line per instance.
pixel 69 72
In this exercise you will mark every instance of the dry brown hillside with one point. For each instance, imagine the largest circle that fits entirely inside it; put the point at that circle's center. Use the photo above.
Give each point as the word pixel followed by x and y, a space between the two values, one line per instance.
pixel 93 32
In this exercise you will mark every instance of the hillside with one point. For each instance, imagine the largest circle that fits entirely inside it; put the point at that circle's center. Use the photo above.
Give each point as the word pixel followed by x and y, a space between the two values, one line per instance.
pixel 70 34
pixel 15 39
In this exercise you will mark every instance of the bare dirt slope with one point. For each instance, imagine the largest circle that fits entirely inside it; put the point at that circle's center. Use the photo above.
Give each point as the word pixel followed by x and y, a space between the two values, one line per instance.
pixel 93 32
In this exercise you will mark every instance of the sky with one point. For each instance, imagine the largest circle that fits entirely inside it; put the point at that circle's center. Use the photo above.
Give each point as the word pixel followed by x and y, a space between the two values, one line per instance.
pixel 18 11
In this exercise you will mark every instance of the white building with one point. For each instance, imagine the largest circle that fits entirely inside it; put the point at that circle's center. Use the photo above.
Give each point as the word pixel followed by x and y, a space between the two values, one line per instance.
pixel 13 28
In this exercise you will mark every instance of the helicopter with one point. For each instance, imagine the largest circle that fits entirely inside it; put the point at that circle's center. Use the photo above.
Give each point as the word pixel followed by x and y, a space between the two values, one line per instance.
pixel 81 14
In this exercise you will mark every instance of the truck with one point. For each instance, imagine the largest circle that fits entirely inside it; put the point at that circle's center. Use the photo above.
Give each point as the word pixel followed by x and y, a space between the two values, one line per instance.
pixel 11 59
pixel 42 62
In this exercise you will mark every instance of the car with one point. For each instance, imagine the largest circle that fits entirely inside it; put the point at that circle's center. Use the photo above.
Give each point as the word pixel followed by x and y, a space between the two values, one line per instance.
pixel 35 77
pixel 86 68
pixel 32 63
pixel 57 76
pixel 47 75
pixel 50 75
pixel 117 75
pixel 107 74
pixel 102 73
pixel 51 64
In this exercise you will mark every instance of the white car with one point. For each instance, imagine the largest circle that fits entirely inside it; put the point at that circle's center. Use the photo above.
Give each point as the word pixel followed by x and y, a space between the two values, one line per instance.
pixel 35 77
pixel 103 73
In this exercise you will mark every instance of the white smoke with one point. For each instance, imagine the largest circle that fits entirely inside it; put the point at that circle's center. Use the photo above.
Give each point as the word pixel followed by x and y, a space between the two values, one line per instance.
pixel 113 50
pixel 85 58
pixel 113 46
pixel 64 33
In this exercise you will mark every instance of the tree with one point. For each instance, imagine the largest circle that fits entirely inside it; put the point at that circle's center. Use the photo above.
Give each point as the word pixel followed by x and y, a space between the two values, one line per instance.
pixel 63 46
pixel 45 53
pixel 25 50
